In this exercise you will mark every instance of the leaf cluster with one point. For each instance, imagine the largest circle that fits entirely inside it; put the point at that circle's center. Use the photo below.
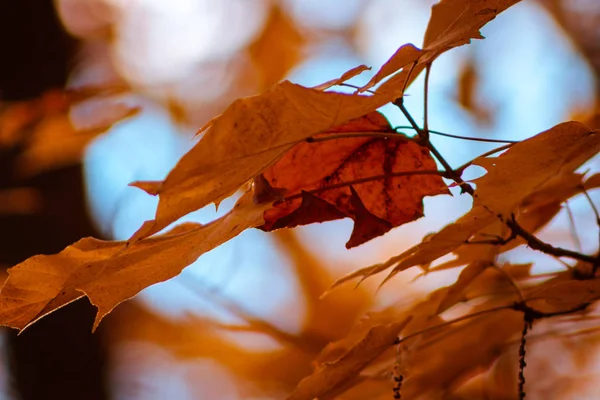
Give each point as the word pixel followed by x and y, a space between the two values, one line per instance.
pixel 303 155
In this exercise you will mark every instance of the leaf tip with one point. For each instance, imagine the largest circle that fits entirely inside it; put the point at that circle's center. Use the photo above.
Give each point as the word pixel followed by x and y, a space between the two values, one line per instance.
pixel 153 188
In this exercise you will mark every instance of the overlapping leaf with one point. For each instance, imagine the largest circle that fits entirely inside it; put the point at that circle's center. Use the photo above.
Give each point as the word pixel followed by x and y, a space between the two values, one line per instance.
pixel 247 138
pixel 511 178
pixel 353 177
pixel 254 132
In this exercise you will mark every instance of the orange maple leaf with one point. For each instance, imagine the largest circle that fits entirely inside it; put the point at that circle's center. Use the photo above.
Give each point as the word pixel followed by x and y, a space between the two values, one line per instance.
pixel 378 181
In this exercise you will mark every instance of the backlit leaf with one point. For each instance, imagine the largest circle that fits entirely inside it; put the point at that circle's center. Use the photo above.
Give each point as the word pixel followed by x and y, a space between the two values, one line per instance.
pixel 309 169
pixel 109 273
pixel 246 139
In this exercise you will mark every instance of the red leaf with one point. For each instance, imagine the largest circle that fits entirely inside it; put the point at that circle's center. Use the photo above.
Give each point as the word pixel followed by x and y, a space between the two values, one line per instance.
pixel 352 177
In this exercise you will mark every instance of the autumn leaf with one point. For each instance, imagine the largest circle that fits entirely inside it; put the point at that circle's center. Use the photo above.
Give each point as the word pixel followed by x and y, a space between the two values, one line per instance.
pixel 254 132
pixel 453 23
pixel 45 134
pixel 471 346
pixel 568 294
pixel 443 242
pixel 515 174
pixel 331 179
pixel 246 139
pixel 110 272
pixel 278 47
pixel 329 375
pixel 404 56
pixel 559 151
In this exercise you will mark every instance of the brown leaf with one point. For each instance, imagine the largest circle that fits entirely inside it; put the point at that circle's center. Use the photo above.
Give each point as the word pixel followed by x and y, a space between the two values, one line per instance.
pixel 111 272
pixel 247 138
pixel 309 169
pixel 328 376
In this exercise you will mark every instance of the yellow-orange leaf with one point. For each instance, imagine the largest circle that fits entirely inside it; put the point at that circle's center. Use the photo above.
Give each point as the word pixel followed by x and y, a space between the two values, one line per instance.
pixel 345 76
pixel 278 48
pixel 111 272
pixel 452 23
pixel 527 165
pixel 455 22
pixel 402 57
pixel 445 241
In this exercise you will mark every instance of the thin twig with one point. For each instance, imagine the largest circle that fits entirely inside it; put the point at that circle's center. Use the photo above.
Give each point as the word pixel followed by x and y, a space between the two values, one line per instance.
pixel 347 135
pixel 594 209
pixel 544 247
pixel 596 264
pixel 522 351
pixel 354 87
pixel 426 103
pixel 365 180
pixel 474 139
pixel 572 227
pixel 452 174
pixel 456 176
pixel 410 71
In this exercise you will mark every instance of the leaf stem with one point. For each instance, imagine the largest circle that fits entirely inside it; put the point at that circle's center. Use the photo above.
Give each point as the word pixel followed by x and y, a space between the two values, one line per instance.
pixel 354 87
pixel 573 227
pixel 346 135
pixel 596 264
pixel 426 103
pixel 516 229
pixel 365 180
pixel 474 139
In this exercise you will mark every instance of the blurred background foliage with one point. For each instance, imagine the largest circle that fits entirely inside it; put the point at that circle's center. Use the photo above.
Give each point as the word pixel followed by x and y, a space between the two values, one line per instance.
pixel 246 321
